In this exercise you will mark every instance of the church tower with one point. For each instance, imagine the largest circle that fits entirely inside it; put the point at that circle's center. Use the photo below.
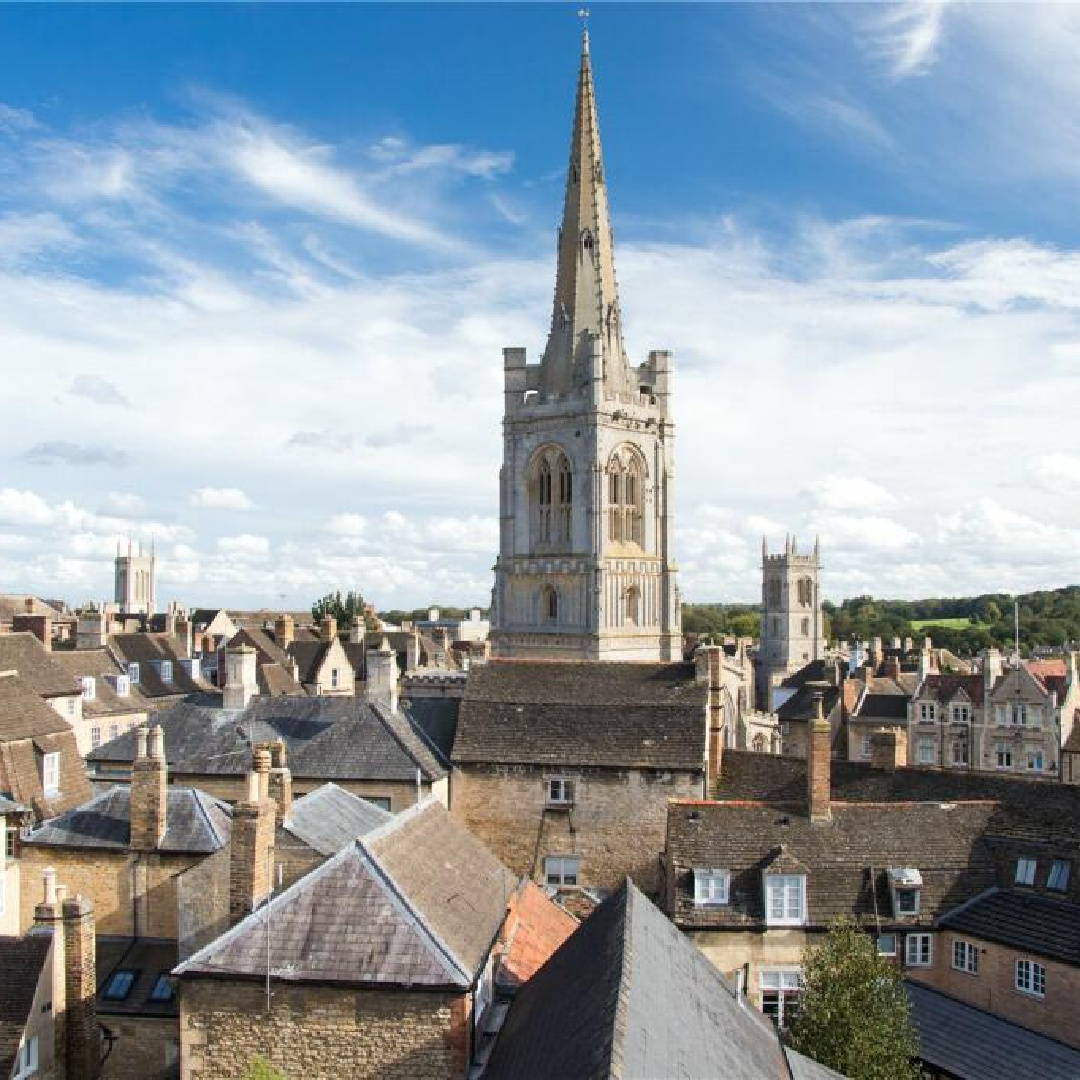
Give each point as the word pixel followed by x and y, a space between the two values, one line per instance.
pixel 585 568
pixel 792 624
pixel 135 586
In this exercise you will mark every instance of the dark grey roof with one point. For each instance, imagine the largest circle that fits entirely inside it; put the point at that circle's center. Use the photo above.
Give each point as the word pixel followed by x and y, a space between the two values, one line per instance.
pixel 1022 920
pixel 21 963
pixel 195 823
pixel 970 1044
pixel 7 806
pixel 309 656
pixel 416 903
pixel 98 663
pixel 329 818
pixel 327 738
pixel 148 959
pixel 804 1068
pixel 148 651
pixel 628 995
pixel 615 715
pixel 882 707
pixel 437 718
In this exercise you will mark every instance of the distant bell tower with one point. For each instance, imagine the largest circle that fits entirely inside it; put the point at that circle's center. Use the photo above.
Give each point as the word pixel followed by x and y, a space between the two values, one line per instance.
pixel 135 585
pixel 792 625
pixel 586 567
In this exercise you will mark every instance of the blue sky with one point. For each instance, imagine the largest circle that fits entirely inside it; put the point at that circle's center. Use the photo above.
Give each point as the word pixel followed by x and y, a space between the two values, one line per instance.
pixel 258 264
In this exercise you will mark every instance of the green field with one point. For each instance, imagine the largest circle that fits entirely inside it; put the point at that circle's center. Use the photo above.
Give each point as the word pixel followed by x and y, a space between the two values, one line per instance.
pixel 952 624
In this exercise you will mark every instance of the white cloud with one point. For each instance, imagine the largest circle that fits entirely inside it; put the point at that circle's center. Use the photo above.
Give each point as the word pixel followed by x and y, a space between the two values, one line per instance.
pixel 908 35
pixel 1057 471
pixel 126 503
pixel 220 499
pixel 245 545
pixel 351 525
pixel 23 508
pixel 849 493
pixel 97 389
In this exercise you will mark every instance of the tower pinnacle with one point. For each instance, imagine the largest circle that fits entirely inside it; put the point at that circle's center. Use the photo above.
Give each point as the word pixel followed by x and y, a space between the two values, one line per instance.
pixel 585 312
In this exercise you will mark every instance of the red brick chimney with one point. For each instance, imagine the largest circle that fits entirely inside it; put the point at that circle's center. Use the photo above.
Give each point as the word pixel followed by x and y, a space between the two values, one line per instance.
pixel 38 625
pixel 707 664
pixel 149 790
pixel 252 845
pixel 818 760
pixel 80 976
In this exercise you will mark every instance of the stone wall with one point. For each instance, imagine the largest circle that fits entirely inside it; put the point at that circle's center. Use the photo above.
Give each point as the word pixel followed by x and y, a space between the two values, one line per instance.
pixel 146 1047
pixel 319 1031
pixel 202 894
pixel 617 825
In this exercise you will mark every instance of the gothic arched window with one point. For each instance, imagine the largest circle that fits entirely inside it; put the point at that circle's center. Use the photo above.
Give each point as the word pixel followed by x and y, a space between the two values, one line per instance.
pixel 626 483
pixel 551 498
pixel 806 591
pixel 586 244
pixel 566 501
pixel 759 743
pixel 549 604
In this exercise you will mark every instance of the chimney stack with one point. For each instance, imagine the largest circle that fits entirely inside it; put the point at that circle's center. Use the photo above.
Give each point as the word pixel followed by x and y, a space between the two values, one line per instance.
pixel 356 630
pixel 149 790
pixel 818 759
pixel 280 779
pixel 382 687
pixel 888 749
pixel 241 679
pixel 284 631
pixel 80 975
pixel 707 664
pixel 38 625
pixel 412 651
pixel 251 849
pixel 892 667
pixel 328 628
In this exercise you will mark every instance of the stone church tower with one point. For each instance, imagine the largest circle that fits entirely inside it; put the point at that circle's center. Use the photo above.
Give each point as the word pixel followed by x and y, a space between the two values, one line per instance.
pixel 135 591
pixel 585 568
pixel 792 625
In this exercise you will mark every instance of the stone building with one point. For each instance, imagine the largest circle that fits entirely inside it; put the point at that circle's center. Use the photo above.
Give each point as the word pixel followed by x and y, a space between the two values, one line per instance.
pixel 565 769
pixel 586 565
pixel 136 588
pixel 792 622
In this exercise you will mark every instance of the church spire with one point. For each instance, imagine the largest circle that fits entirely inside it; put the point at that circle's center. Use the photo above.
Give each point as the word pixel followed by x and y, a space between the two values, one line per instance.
pixel 586 307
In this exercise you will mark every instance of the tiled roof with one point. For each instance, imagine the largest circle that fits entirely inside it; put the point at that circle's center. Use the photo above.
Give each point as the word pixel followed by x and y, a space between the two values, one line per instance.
pixel 275 681
pixel 148 651
pixel 437 718
pixel 613 715
pixel 628 995
pixel 535 927
pixel 97 663
pixel 329 818
pixel 23 713
pixel 12 604
pixel 21 963
pixel 967 1043
pixel 944 688
pixel 309 657
pixel 195 823
pixel 327 738
pixel 264 644
pixel 23 653
pixel 845 859
pixel 416 903
pixel 148 959
pixel 1022 920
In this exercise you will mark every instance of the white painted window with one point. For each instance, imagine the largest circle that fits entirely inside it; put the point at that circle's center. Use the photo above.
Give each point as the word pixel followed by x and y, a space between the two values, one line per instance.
pixel 27 1062
pixel 785 899
pixel 927 712
pixel 1025 872
pixel 560 791
pixel 50 775
pixel 1035 760
pixel 89 687
pixel 1003 750
pixel 1019 713
pixel 780 992
pixel 959 752
pixel 70 706
pixel 133 674
pixel 965 957
pixel 1031 978
pixel 561 869
pixel 866 746
pixel 918 950
pixel 95 737
pixel 711 887
pixel 1058 877
pixel 114 730
pixel 886 944
pixel 926 751
pixel 123 685
pixel 907 901
pixel 961 714
pixel 333 678
pixel 166 671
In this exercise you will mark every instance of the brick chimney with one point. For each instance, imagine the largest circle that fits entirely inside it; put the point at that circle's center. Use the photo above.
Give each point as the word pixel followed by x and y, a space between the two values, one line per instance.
pixel 818 759
pixel 280 779
pixel 284 631
pixel 252 845
pixel 38 625
pixel 356 630
pixel 80 976
pixel 888 749
pixel 149 790
pixel 328 628
pixel 707 669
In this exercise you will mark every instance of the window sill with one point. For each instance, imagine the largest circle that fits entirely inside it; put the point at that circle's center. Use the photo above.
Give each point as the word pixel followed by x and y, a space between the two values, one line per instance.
pixel 562 806
pixel 1030 994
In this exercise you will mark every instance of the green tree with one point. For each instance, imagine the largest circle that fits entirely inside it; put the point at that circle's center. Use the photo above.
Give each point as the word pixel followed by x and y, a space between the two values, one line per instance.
pixel 261 1069
pixel 342 608
pixel 854 1014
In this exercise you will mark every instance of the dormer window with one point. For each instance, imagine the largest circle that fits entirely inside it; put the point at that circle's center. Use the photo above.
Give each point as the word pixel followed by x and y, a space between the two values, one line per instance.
pixel 166 671
pixel 123 685
pixel 906 886
pixel 560 791
pixel 1025 872
pixel 89 687
pixel 50 775
pixel 785 899
pixel 1058 878
pixel 133 674
pixel 711 887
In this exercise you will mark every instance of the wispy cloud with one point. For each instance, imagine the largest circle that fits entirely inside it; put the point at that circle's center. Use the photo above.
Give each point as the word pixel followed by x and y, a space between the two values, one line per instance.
pixel 62 452
pixel 908 35
pixel 97 389
pixel 220 499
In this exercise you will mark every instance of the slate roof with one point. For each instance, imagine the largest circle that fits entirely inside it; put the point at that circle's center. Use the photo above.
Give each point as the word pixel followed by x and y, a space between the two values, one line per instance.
pixel 264 644
pixel 195 823
pixel 98 663
pixel 845 859
pixel 23 653
pixel 148 959
pixel 21 963
pixel 614 715
pixel 329 818
pixel 309 656
pixel 437 718
pixel 148 650
pixel 970 1044
pixel 417 903
pixel 944 688
pixel 327 738
pixel 1022 920
pixel 628 995
pixel 23 713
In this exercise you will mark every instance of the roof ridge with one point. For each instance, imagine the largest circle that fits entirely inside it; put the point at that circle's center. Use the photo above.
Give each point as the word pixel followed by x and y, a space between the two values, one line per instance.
pixel 376 708
pixel 622 999
pixel 402 817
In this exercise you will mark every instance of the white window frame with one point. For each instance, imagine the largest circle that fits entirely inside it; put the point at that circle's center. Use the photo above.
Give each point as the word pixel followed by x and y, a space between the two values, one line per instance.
pixel 881 951
pixel 1003 754
pixel 133 673
pixel 1018 714
pixel 26 1064
pixel 961 714
pixel 785 888
pixel 927 712
pixel 787 985
pixel 1032 756
pixel 1025 871
pixel 965 957
pixel 50 775
pixel 903 894
pixel 89 687
pixel 919 950
pixel 95 737
pixel 166 671
pixel 712 888
pixel 1058 877
pixel 123 686
pixel 556 869
pixel 959 755
pixel 926 750
pixel 559 791
pixel 333 678
pixel 1029 977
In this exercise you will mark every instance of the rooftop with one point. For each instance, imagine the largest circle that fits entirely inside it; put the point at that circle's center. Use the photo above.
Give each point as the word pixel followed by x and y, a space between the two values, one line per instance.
pixel 37 665
pixel 329 818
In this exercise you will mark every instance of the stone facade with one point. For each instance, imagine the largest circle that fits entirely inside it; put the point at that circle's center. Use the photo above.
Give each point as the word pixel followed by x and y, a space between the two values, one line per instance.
pixel 615 826
pixel 136 591
pixel 586 566
pixel 145 1047
pixel 321 1031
